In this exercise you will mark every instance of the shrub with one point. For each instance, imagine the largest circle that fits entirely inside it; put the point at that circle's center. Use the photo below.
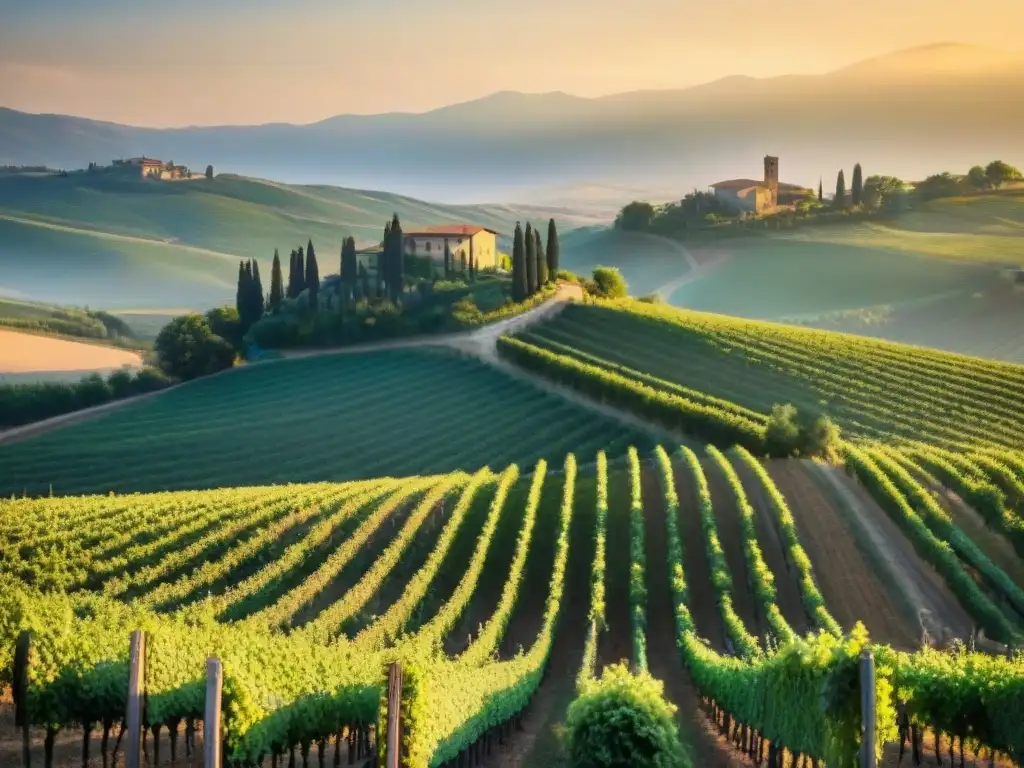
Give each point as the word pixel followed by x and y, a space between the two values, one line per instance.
pixel 623 720
pixel 792 433
pixel 609 283
pixel 652 298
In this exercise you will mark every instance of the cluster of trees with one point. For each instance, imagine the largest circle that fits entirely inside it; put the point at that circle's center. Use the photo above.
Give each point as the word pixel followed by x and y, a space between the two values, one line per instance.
pixel 249 302
pixel 978 179
pixel 391 261
pixel 533 265
pixel 26 403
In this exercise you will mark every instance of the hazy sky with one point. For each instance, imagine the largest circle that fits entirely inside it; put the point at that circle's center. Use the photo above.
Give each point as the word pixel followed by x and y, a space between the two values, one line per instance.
pixel 200 62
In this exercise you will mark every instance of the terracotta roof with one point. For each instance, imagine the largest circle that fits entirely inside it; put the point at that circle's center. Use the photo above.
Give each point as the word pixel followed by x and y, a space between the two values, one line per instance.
pixel 449 230
pixel 738 184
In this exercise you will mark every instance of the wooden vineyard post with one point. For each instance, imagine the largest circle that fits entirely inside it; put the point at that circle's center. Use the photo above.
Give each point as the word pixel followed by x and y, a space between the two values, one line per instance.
pixel 20 692
pixel 136 694
pixel 211 718
pixel 867 709
pixel 392 752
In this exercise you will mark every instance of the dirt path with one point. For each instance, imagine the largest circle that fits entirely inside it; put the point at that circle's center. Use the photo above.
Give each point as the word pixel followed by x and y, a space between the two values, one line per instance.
pixel 787 583
pixel 852 588
pixel 540 742
pixel 940 614
pixel 662 652
pixel 730 534
pixel 698 267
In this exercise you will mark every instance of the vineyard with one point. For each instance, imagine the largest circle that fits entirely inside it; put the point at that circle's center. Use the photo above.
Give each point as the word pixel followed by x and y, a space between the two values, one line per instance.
pixel 749 589
pixel 337 418
pixel 718 377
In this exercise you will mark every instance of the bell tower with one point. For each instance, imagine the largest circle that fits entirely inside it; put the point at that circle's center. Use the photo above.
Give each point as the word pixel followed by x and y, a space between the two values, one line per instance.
pixel 771 177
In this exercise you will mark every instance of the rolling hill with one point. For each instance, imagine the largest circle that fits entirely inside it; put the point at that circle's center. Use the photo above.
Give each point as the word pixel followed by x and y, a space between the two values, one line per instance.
pixel 934 276
pixel 493 147
pixel 146 245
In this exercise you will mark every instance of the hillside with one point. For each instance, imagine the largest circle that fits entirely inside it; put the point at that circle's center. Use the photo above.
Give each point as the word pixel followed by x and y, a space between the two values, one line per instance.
pixel 493 147
pixel 135 245
pixel 725 374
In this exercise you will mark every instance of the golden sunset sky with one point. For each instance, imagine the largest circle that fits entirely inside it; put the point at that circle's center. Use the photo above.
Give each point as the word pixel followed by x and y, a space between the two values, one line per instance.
pixel 203 62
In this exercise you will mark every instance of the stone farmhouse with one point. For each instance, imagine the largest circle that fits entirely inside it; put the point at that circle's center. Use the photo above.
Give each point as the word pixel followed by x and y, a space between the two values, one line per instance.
pixel 150 168
pixel 470 241
pixel 751 196
pixel 477 244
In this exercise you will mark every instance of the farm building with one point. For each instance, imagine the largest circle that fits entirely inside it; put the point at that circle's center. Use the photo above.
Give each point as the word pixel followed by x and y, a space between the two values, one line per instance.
pixel 150 168
pixel 477 244
pixel 754 196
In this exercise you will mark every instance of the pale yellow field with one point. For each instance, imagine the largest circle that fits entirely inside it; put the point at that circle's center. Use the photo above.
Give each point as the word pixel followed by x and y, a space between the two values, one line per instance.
pixel 24 357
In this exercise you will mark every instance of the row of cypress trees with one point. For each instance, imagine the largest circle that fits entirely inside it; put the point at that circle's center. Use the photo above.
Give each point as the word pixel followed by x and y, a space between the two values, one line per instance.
pixel 249 294
pixel 533 265
pixel 856 188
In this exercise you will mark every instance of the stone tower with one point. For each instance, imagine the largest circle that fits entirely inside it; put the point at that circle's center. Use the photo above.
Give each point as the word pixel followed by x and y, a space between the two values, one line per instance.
pixel 771 178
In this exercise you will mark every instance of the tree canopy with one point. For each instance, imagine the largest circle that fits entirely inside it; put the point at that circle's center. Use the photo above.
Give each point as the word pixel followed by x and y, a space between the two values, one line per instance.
pixel 635 217
pixel 187 348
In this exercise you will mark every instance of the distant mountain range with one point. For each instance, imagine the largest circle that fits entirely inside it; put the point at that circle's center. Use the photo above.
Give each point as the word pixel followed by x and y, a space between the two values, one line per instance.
pixel 909 113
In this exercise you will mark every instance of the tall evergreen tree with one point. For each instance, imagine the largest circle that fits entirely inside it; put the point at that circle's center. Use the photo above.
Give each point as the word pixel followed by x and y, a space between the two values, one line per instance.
pixel 242 291
pixel 531 260
pixel 276 284
pixel 291 275
pixel 397 259
pixel 551 252
pixel 312 276
pixel 821 191
pixel 256 290
pixel 463 264
pixel 519 285
pixel 857 187
pixel 384 268
pixel 840 199
pixel 300 271
pixel 542 262
pixel 447 260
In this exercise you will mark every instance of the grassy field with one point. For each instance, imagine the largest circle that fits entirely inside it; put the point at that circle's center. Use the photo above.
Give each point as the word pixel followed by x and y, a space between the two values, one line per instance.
pixel 125 244
pixel 26 358
pixel 872 389
pixel 646 262
pixel 473 569
pixel 323 418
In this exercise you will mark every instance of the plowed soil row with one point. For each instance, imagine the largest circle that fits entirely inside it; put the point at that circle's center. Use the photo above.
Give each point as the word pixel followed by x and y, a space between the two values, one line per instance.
pixel 540 742
pixel 663 656
pixel 616 642
pixel 703 604
pixel 730 534
pixel 787 582
pixel 852 588
pixel 936 610
pixel 528 615
pixel 495 571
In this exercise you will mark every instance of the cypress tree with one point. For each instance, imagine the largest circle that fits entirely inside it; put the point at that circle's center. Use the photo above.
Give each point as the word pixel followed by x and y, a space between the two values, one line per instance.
pixel 300 271
pixel 447 260
pixel 291 275
pixel 397 259
pixel 518 265
pixel 256 291
pixel 276 284
pixel 312 276
pixel 242 291
pixel 840 200
pixel 462 264
pixel 531 260
pixel 857 188
pixel 542 262
pixel 552 251
pixel 384 268
pixel 821 192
